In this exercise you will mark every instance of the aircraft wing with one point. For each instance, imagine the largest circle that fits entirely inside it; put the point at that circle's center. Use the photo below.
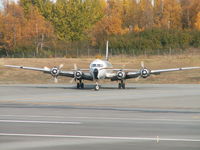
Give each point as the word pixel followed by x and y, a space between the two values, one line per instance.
pixel 173 69
pixel 85 75
pixel 29 68
pixel 133 74
pixel 118 69
pixel 45 70
pixel 126 70
pixel 138 73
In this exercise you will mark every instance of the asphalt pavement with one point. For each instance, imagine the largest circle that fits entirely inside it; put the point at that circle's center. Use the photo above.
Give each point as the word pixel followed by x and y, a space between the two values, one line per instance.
pixel 60 117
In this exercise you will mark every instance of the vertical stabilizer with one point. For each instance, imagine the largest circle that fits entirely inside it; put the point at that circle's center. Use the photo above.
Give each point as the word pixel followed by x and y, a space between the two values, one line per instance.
pixel 107 51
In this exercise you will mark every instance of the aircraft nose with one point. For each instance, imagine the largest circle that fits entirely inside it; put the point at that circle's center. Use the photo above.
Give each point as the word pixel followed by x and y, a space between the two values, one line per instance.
pixel 95 72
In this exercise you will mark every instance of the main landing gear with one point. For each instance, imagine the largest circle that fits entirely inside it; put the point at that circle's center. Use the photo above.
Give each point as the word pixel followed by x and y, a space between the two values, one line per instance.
pixel 80 84
pixel 121 85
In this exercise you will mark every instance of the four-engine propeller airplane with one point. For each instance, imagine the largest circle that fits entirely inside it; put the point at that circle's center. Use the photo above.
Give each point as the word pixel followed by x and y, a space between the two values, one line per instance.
pixel 101 69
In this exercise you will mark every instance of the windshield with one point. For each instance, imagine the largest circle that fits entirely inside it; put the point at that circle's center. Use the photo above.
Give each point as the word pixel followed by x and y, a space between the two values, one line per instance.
pixel 97 65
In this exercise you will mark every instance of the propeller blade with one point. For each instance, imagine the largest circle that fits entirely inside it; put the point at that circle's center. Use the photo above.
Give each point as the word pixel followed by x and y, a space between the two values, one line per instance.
pixel 126 64
pixel 75 67
pixel 136 79
pixel 46 68
pixel 142 64
pixel 55 80
pixel 72 80
pixel 60 66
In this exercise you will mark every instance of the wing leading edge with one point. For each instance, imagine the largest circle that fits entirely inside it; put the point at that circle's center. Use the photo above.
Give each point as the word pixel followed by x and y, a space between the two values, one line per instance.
pixel 71 74
pixel 157 72
pixel 173 69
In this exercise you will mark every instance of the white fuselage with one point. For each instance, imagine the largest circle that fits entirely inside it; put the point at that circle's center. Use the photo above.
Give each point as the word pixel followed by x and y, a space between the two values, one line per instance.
pixel 104 68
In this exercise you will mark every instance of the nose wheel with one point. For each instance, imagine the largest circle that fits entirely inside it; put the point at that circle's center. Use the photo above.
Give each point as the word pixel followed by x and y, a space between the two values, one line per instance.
pixel 96 87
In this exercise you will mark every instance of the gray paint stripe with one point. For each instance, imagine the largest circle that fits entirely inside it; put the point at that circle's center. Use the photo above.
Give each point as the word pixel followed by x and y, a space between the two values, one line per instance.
pixel 157 139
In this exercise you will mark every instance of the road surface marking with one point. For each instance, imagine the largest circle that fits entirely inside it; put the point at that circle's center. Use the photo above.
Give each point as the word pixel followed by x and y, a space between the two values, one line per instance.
pixel 102 137
pixel 40 122
pixel 107 118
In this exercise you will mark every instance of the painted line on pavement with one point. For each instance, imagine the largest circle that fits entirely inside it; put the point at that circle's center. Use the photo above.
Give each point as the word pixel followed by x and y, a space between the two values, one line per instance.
pixel 107 118
pixel 157 139
pixel 39 122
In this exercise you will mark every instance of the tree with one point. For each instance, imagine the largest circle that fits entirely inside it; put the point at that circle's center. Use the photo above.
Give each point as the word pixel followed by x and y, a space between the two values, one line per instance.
pixel 197 22
pixel 157 13
pixel 110 24
pixel 145 14
pixel 186 12
pixel 11 26
pixel 171 17
pixel 44 6
pixel 18 29
pixel 195 9
pixel 2 46
pixel 129 13
pixel 137 29
pixel 37 28
pixel 73 18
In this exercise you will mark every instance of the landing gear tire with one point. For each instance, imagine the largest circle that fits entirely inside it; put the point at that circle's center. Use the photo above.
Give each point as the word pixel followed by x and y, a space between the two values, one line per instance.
pixel 96 88
pixel 82 85
pixel 119 86
pixel 78 85
pixel 123 85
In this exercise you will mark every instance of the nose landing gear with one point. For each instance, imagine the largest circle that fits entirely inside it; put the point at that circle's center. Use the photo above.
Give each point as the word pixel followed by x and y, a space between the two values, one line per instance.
pixel 96 87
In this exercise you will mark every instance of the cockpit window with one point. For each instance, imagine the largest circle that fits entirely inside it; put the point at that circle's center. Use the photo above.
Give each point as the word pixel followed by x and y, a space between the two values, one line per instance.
pixel 93 65
pixel 97 65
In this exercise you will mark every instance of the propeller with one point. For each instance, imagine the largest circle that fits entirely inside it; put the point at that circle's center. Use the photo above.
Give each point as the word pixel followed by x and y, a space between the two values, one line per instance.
pixel 137 79
pixel 55 72
pixel 144 72
pixel 142 64
pixel 55 80
pixel 60 66
pixel 46 68
pixel 123 66
pixel 75 67
pixel 121 75
pixel 77 74
pixel 74 78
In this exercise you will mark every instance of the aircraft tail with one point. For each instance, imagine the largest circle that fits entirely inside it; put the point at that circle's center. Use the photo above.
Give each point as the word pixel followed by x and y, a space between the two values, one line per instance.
pixel 107 57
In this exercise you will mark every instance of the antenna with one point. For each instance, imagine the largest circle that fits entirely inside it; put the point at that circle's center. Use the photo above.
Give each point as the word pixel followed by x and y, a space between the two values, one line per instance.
pixel 107 51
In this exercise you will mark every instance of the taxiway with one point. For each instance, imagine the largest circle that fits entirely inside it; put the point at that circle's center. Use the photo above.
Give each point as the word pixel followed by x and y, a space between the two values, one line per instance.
pixel 61 117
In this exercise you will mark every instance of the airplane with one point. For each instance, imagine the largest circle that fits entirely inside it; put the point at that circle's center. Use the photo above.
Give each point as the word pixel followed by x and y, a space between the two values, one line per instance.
pixel 101 69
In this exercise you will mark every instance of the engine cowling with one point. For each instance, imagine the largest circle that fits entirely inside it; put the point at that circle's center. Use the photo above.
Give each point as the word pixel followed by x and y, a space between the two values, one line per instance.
pixel 55 71
pixel 78 74
pixel 121 75
pixel 145 73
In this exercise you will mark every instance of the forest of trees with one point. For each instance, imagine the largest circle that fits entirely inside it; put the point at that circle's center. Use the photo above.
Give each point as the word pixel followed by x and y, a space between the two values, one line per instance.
pixel 70 28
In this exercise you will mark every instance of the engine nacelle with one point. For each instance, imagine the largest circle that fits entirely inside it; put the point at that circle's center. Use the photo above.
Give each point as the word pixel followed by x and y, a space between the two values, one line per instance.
pixel 145 73
pixel 55 71
pixel 78 74
pixel 121 75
